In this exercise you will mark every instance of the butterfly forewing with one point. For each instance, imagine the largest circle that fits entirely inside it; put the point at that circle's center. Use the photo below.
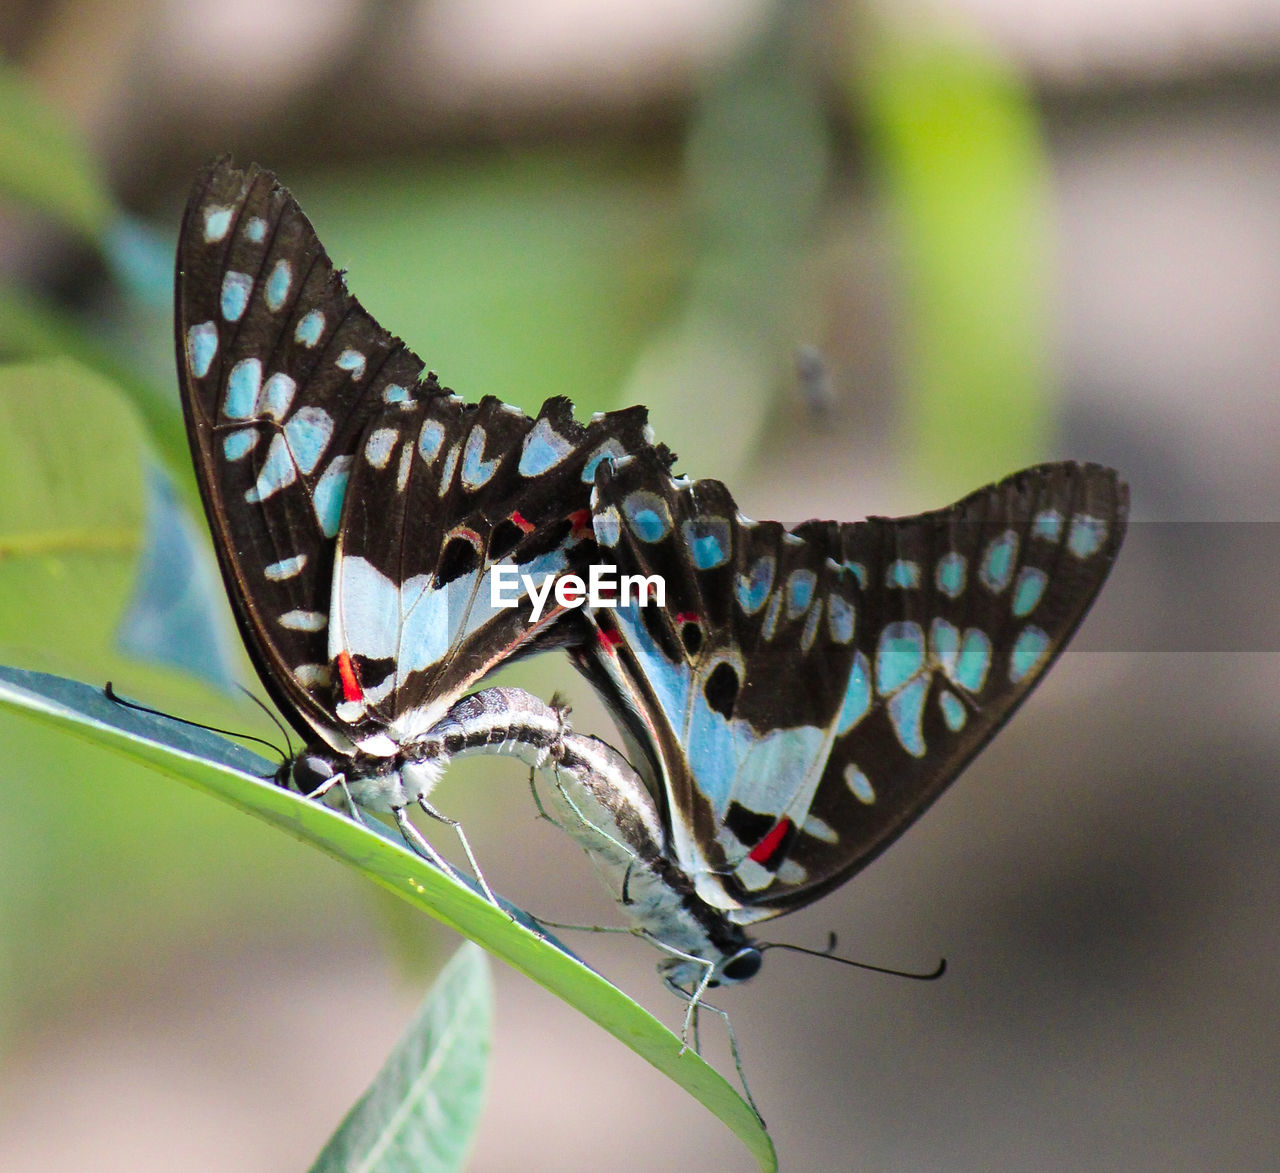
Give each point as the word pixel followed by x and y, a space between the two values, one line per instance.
pixel 442 492
pixel 281 371
pixel 840 675
pixel 963 611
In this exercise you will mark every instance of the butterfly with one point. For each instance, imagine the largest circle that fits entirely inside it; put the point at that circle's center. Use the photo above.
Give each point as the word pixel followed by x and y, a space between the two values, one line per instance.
pixel 805 693
pixel 359 509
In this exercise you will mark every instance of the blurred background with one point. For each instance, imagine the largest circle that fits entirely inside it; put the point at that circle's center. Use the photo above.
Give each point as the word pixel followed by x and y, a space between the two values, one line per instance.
pixel 857 258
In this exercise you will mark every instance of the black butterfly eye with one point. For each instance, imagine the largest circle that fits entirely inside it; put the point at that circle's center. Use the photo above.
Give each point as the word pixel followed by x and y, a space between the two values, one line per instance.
pixel 721 689
pixel 310 772
pixel 743 965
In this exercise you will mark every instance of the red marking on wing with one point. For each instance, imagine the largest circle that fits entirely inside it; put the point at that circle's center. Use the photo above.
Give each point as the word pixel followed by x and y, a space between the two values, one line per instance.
pixel 524 526
pixel 351 689
pixel 580 519
pixel 687 617
pixel 465 532
pixel 608 639
pixel 764 851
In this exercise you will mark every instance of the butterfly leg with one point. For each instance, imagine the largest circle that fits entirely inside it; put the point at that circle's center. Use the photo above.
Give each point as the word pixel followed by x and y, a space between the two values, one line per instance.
pixel 339 782
pixel 413 837
pixel 733 1050
pixel 466 847
pixel 537 801
pixel 695 1001
pixel 586 822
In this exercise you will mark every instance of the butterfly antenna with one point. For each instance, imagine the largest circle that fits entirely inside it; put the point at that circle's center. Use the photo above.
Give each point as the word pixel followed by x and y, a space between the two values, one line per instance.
pixel 830 956
pixel 284 732
pixel 110 693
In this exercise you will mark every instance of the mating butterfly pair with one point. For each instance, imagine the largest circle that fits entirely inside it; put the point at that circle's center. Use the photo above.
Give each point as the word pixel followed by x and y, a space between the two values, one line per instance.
pixel 800 699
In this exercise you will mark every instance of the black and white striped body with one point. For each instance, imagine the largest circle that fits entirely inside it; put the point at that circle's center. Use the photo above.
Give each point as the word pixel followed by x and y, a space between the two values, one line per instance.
pixel 605 806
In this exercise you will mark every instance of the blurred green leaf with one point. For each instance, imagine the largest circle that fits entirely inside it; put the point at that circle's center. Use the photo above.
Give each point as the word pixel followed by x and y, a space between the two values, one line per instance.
pixel 421 1111
pixel 29 330
pixel 44 164
pixel 956 146
pixel 757 169
pixel 72 513
pixel 216 766
pixel 521 276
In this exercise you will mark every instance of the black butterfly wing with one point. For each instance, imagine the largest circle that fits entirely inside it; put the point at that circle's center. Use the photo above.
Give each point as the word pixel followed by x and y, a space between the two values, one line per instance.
pixel 281 371
pixel 731 688
pixel 443 493
pixel 990 590
pixel 840 675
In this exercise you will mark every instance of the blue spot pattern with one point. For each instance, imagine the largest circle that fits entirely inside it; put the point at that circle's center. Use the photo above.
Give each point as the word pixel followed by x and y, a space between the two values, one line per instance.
pixel 611 450
pixel 310 327
pixel 953 712
pixel 608 527
pixel 329 493
pixel 902 574
pixel 800 586
pixel 544 448
pixel 906 711
pixel 216 223
pixel 1028 649
pixel 973 661
pixel 1086 536
pixel 997 562
pixel 949 575
pixel 708 539
pixel 899 656
pixel 857 695
pixel 647 515
pixel 752 588
pixel 277 395
pixel 476 471
pixel 859 784
pixel 308 434
pixel 840 615
pixel 278 285
pixel 238 444
pixel 430 440
pixel 352 361
pixel 243 385
pixel 1029 590
pixel 202 345
pixel 235 295
pixel 1047 525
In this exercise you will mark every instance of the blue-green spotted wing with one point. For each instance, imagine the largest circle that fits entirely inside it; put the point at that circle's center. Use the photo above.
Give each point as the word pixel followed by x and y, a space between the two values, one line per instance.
pixel 358 509
pixel 805 693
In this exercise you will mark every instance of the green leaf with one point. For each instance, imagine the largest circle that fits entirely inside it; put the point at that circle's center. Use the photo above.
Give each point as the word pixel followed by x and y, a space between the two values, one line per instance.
pixel 30 330
pixel 956 147
pixel 43 162
pixel 72 513
pixel 569 261
pixel 222 768
pixel 420 1113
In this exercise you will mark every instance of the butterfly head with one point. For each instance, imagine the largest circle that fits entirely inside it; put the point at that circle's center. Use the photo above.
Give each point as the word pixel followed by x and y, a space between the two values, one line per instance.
pixel 379 783
pixel 684 975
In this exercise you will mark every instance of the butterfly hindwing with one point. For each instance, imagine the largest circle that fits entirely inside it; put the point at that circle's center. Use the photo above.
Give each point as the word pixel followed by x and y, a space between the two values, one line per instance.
pixel 734 682
pixel 280 370
pixel 841 675
pixel 442 493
